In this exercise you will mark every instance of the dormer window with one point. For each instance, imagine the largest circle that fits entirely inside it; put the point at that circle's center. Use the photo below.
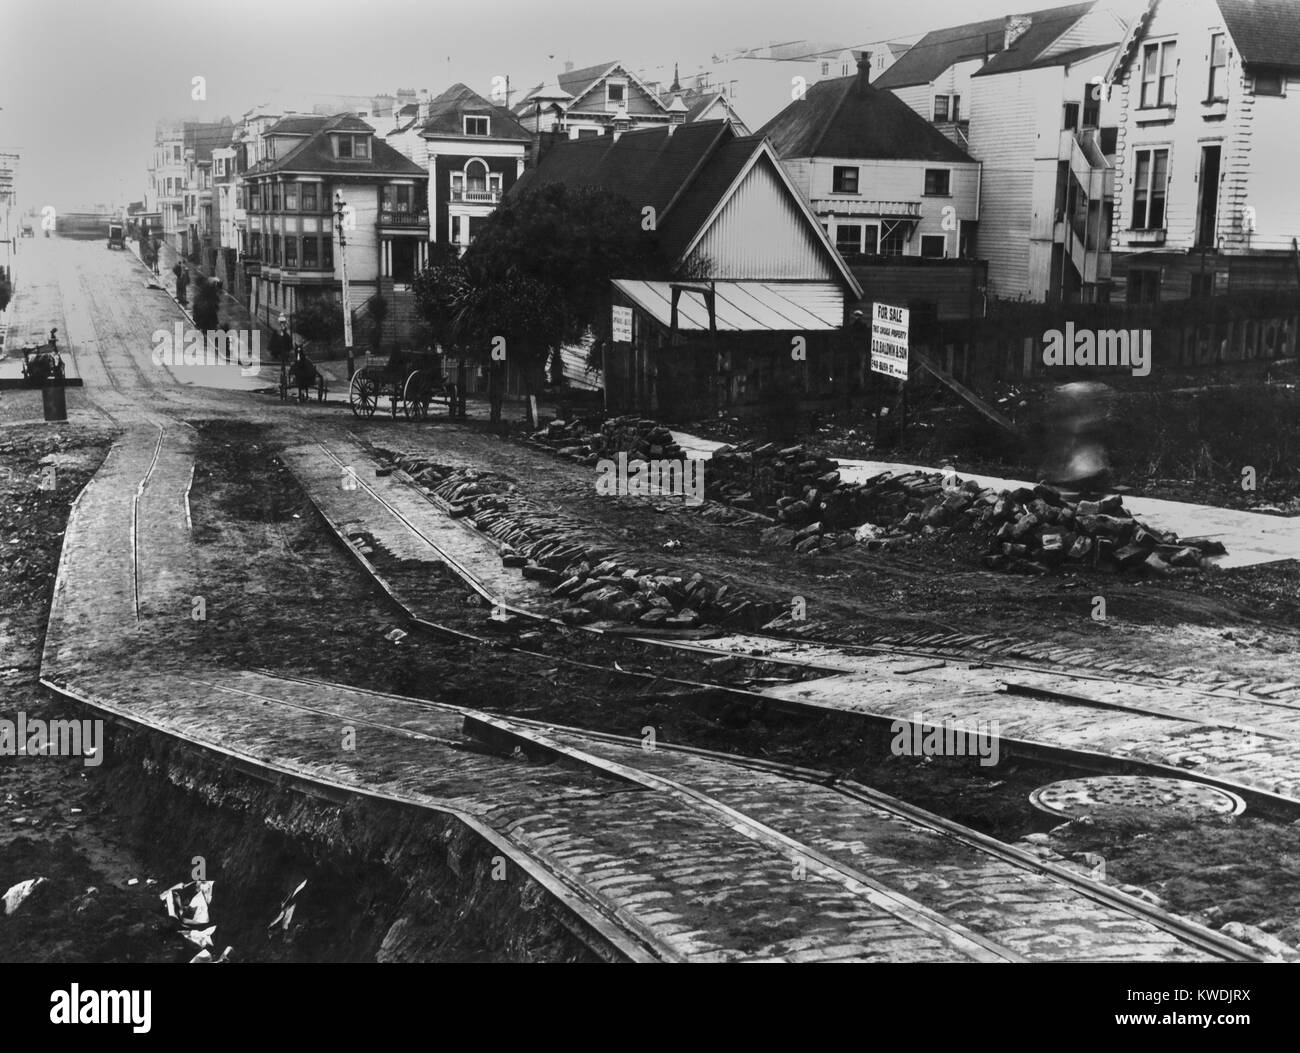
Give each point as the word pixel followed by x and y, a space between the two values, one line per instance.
pixel 477 125
pixel 352 147
pixel 615 94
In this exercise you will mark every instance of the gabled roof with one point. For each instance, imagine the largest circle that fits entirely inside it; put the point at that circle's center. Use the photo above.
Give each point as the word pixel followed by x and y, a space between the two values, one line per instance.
pixel 448 110
pixel 940 49
pixel 298 124
pixel 1027 51
pixel 685 176
pixel 1266 32
pixel 577 81
pixel 316 155
pixel 844 118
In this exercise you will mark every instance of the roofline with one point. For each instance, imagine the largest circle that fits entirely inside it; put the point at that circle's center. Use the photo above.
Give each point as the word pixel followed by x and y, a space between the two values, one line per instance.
pixel 765 148
pixel 616 65
pixel 724 128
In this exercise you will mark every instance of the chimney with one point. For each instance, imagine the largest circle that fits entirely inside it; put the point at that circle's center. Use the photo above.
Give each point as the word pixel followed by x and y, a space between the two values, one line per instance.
pixel 1016 27
pixel 423 105
pixel 864 71
pixel 621 122
pixel 568 66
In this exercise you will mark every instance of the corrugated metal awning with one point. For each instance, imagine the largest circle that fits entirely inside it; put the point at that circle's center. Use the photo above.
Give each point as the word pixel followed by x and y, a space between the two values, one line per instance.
pixel 744 307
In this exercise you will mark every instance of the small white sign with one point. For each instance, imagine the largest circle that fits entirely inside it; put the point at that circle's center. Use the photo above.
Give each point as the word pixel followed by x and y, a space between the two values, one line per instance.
pixel 622 327
pixel 889 334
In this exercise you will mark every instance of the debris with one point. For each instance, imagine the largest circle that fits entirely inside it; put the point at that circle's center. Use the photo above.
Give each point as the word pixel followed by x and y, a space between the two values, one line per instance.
pixel 395 635
pixel 20 892
pixel 285 918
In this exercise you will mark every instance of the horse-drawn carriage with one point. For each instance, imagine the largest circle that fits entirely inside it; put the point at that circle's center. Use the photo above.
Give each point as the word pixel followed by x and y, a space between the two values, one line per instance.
pixel 42 363
pixel 303 376
pixel 409 379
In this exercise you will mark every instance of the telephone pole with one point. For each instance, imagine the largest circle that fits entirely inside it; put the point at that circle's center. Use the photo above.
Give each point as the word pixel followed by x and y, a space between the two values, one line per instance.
pixel 340 211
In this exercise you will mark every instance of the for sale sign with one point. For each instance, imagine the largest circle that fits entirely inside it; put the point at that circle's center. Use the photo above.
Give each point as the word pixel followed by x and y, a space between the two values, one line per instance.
pixel 621 330
pixel 889 328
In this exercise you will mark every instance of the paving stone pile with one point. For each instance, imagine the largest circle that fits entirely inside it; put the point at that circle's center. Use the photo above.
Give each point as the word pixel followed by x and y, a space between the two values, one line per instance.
pixel 1031 528
pixel 594 583
pixel 638 437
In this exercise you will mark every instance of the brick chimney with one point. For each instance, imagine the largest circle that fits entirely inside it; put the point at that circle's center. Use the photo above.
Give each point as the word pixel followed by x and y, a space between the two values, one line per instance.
pixel 1016 27
pixel 864 72
pixel 423 105
pixel 568 67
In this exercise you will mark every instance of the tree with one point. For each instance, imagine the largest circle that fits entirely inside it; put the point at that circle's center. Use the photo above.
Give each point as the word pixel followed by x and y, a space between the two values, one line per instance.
pixel 319 319
pixel 6 292
pixel 537 277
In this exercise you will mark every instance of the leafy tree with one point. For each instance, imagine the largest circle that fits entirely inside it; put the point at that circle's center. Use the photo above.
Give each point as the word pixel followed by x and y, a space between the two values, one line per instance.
pixel 319 320
pixel 6 292
pixel 537 277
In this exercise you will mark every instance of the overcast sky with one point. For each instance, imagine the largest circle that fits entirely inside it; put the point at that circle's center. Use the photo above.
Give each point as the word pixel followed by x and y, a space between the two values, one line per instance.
pixel 82 82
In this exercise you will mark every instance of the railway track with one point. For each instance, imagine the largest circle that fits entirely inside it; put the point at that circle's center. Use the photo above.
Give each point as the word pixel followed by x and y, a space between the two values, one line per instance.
pixel 1250 746
pixel 660 855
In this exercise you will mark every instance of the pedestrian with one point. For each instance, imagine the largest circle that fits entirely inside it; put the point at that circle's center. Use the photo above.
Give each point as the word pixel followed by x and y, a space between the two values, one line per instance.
pixel 282 342
pixel 182 282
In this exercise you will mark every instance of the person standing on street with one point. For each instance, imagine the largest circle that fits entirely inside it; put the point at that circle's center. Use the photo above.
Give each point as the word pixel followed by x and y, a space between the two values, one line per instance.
pixel 182 282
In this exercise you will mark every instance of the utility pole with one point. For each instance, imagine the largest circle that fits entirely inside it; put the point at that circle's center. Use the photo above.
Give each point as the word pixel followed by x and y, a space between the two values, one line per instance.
pixel 340 210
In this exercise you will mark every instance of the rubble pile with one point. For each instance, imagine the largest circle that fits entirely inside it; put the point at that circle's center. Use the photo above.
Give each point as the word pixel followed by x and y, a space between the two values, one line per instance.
pixel 594 584
pixel 638 437
pixel 1032 528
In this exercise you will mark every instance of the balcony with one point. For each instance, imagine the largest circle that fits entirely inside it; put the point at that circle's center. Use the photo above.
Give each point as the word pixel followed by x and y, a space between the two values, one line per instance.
pixel 397 218
pixel 1145 237
pixel 848 206
pixel 475 195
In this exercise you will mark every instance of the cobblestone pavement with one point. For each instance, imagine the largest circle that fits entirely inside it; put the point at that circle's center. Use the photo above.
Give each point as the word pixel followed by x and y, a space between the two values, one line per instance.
pixel 1246 741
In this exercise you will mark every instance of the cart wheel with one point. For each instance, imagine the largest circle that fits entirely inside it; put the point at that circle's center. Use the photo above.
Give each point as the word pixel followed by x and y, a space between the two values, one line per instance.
pixel 362 395
pixel 415 398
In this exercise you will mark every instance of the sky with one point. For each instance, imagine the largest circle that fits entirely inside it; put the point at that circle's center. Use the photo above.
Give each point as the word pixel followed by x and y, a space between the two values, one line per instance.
pixel 82 84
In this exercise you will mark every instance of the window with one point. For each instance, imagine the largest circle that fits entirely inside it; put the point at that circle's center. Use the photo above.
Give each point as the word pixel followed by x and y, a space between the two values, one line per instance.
pixel 310 257
pixel 345 145
pixel 455 230
pixel 848 239
pixel 1143 286
pixel 255 245
pixel 255 198
pixel 476 177
pixel 1150 182
pixel 476 125
pixel 361 146
pixel 327 254
pixel 309 197
pixel 826 69
pixel 588 133
pixel 615 93
pixel 397 198
pixel 1071 122
pixel 941 107
pixel 1268 83
pixel 893 243
pixel 1218 67
pixel 275 197
pixel 870 239
pixel 934 246
pixel 1159 64
pixel 956 108
pixel 291 197
pixel 937 182
pixel 1091 109
pixel 275 250
pixel 176 155
pixel 844 179
pixel 291 252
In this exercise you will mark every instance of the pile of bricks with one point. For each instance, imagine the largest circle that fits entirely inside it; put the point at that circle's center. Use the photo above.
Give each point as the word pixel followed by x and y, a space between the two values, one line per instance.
pixel 638 437
pixel 793 484
pixel 594 583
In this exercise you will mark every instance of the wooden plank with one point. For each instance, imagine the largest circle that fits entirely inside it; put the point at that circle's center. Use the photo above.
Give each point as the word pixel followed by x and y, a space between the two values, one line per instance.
pixel 966 395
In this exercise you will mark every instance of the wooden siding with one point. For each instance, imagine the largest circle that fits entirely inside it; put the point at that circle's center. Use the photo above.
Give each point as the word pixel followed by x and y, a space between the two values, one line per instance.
pixel 1257 133
pixel 762 233
pixel 1012 112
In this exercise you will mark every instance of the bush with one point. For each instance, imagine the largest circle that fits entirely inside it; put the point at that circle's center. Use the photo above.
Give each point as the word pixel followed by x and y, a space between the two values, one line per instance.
pixel 319 320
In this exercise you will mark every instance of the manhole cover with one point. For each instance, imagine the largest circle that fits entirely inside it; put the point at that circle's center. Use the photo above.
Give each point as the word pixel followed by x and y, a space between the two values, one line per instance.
pixel 1075 797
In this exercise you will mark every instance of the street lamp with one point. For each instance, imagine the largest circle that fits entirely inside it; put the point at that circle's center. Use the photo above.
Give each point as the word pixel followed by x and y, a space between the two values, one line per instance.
pixel 340 210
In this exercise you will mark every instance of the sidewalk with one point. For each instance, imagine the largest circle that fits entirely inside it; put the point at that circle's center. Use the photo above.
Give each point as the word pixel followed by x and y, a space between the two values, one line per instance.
pixel 1250 537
